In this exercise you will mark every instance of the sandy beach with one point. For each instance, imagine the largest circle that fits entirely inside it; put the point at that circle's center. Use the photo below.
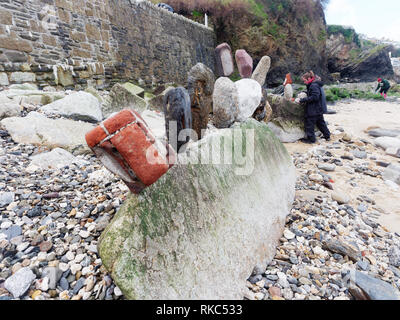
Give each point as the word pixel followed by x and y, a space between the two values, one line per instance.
pixel 354 117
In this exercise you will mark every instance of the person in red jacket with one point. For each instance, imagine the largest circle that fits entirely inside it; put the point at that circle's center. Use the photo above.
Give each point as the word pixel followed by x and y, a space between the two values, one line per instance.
pixel 313 113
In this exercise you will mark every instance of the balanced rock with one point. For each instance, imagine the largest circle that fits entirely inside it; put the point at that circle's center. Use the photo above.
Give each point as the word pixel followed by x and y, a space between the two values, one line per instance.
pixel 158 248
pixel 249 94
pixel 77 106
pixel 244 63
pixel 224 60
pixel 225 102
pixel 261 71
pixel 200 87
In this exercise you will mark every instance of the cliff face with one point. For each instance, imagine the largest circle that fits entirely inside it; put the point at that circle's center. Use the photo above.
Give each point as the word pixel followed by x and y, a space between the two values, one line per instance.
pixel 295 38
pixel 356 59
pixel 291 32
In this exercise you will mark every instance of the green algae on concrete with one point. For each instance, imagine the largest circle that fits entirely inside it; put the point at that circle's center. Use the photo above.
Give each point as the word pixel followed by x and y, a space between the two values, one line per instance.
pixel 200 229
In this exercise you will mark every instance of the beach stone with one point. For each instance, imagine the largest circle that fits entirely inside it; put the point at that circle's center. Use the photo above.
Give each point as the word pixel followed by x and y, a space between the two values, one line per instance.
pixel 249 94
pixel 6 198
pixel 261 71
pixel 19 283
pixel 347 249
pixel 8 108
pixel 394 256
pixel 288 234
pixel 77 106
pixel 200 88
pixel 359 154
pixel 225 103
pixel 174 230
pixel 340 197
pixel 13 232
pixel 244 63
pixel 224 60
pixel 387 142
pixel 384 133
pixel 375 289
pixel 35 128
pixel 392 173
pixel 316 177
pixel 55 159
pixel 327 167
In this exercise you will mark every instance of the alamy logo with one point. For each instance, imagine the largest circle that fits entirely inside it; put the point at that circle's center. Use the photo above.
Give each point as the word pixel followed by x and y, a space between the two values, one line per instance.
pixel 234 147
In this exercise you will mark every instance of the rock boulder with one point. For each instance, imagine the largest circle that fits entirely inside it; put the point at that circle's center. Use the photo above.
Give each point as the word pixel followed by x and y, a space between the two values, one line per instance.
pixel 287 119
pixel 198 232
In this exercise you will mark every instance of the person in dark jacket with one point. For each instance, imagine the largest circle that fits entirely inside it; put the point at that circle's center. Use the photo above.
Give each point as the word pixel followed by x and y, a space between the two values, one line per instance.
pixel 323 95
pixel 384 87
pixel 313 113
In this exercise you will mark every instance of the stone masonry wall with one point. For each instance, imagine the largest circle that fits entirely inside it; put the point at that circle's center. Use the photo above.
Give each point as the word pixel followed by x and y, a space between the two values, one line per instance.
pixel 80 43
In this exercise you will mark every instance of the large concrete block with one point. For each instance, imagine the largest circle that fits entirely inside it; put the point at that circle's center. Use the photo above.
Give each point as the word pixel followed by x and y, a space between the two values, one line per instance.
pixel 198 232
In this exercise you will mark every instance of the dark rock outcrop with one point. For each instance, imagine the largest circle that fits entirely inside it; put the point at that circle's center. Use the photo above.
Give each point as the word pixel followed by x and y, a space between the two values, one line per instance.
pixel 356 60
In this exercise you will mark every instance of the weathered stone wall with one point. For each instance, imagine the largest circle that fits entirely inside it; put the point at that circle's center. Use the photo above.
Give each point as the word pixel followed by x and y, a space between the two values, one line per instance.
pixel 98 42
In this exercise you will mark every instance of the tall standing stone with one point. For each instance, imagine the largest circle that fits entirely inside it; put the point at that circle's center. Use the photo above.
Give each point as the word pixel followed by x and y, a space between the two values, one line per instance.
pixel 261 71
pixel 200 87
pixel 225 102
pixel 288 92
pixel 178 117
pixel 244 63
pixel 224 60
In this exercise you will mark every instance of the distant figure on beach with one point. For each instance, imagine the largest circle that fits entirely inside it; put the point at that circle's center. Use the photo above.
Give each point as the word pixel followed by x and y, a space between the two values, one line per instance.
pixel 165 6
pixel 384 87
pixel 313 113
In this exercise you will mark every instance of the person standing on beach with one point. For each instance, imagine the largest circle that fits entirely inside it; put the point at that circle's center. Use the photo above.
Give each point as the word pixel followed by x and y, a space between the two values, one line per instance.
pixel 384 87
pixel 313 113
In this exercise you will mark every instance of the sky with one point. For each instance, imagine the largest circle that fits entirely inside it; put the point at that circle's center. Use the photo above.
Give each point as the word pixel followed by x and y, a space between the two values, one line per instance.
pixel 374 18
